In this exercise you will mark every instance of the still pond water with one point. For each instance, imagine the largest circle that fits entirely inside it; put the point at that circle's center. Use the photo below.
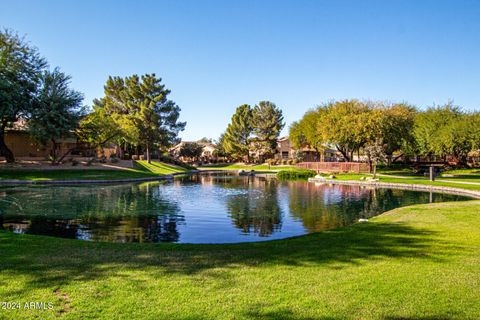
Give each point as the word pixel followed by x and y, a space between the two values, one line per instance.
pixel 196 209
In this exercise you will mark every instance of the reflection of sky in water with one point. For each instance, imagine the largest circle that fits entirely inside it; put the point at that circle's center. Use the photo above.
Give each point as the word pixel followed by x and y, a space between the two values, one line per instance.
pixel 196 209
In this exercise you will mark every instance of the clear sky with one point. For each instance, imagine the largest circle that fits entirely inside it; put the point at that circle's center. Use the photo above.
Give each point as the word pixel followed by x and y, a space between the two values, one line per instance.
pixel 216 55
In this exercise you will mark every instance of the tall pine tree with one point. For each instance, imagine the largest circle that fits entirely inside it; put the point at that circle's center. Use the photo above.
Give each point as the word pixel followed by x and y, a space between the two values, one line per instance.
pixel 236 140
pixel 143 113
pixel 267 123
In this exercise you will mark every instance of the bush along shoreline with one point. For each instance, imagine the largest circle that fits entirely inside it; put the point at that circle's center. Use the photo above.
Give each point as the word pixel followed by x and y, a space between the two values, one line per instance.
pixel 296 174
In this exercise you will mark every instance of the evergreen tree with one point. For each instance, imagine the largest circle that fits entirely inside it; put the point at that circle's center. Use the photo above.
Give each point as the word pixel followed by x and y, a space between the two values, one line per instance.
pixel 236 140
pixel 140 108
pixel 220 146
pixel 267 123
pixel 21 67
pixel 57 111
pixel 191 150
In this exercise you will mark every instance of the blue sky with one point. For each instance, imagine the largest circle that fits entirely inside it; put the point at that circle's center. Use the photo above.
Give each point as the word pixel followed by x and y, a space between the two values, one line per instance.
pixel 216 55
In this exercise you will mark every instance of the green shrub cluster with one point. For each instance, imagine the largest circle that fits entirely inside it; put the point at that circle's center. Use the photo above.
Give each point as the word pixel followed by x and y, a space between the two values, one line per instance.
pixel 295 174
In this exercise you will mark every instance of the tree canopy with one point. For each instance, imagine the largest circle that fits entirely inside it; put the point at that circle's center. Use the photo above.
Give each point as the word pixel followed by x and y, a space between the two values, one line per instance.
pixel 350 125
pixel 447 130
pixel 57 110
pixel 237 137
pixel 253 130
pixel 267 123
pixel 191 150
pixel 21 68
pixel 141 111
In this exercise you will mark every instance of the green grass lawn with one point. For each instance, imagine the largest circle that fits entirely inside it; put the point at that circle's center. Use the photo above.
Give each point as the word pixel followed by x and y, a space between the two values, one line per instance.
pixel 387 176
pixel 142 170
pixel 419 262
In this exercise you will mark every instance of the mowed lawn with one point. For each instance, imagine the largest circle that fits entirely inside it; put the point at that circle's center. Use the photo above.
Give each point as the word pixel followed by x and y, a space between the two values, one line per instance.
pixel 142 169
pixel 418 262
pixel 461 178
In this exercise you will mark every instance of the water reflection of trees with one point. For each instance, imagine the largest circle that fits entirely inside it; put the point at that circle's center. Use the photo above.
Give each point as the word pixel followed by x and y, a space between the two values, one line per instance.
pixel 124 213
pixel 322 207
pixel 256 211
pixel 149 212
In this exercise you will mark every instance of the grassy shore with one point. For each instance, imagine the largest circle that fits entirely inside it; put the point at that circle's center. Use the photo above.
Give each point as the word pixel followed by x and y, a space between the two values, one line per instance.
pixel 416 262
pixel 142 169
pixel 465 179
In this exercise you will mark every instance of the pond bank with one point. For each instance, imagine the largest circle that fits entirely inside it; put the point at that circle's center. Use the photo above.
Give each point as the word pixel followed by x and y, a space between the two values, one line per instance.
pixel 405 186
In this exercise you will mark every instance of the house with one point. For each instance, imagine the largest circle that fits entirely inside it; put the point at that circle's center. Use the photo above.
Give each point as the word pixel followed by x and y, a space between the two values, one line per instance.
pixel 23 146
pixel 20 142
pixel 208 151
pixel 285 150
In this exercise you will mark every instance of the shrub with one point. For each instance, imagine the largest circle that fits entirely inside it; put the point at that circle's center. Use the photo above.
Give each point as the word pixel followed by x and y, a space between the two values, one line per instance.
pixel 113 159
pixel 295 174
pixel 290 161
pixel 74 162
pixel 134 157
pixel 90 162
pixel 284 161
pixel 142 157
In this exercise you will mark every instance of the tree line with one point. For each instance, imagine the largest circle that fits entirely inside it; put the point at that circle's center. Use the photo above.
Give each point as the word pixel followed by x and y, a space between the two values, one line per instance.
pixel 136 113
pixel 135 110
pixel 398 130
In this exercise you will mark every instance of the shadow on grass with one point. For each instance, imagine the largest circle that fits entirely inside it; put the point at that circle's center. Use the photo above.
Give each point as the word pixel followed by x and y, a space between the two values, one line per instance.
pixel 463 176
pixel 51 261
pixel 258 311
pixel 156 167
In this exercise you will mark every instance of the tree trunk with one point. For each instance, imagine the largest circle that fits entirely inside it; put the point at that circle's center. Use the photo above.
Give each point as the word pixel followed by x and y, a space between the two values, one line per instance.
pixel 54 152
pixel 389 159
pixel 4 150
pixel 65 154
pixel 394 159
pixel 374 169
pixel 344 153
pixel 148 154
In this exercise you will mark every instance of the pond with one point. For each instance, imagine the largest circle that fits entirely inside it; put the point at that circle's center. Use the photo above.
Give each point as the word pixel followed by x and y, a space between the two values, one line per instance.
pixel 214 208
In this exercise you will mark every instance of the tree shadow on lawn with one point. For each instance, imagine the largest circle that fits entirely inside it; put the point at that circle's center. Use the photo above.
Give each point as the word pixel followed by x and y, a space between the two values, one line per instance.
pixel 475 176
pixel 50 261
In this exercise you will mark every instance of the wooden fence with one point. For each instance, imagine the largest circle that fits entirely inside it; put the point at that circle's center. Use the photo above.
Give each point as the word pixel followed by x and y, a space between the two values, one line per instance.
pixel 357 167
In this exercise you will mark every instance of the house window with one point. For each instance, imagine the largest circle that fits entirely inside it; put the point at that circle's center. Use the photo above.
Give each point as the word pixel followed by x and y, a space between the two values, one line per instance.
pixel 284 154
